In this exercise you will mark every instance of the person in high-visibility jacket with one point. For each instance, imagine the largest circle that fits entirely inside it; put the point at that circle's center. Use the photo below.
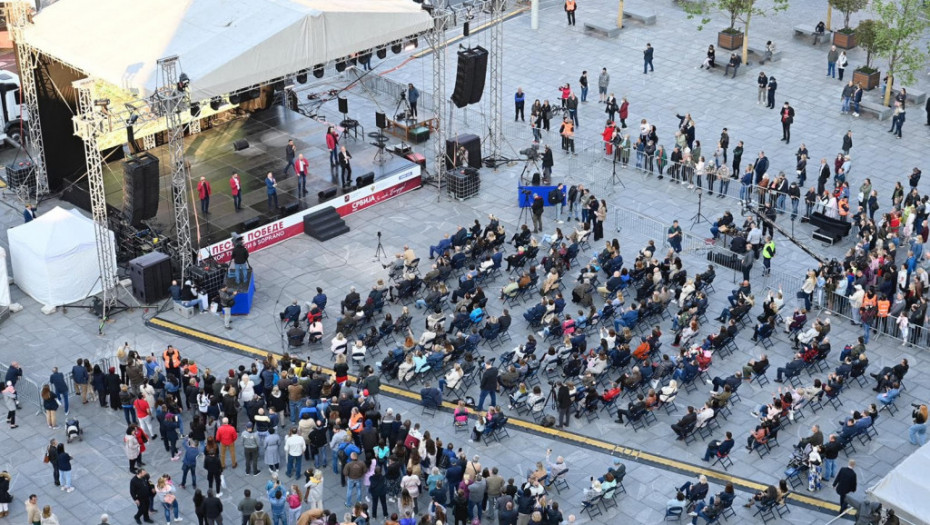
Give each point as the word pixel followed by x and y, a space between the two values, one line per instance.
pixel 570 7
pixel 768 251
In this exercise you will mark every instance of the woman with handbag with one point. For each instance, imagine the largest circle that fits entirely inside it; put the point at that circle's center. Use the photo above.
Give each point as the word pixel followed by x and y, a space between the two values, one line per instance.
pixel 165 494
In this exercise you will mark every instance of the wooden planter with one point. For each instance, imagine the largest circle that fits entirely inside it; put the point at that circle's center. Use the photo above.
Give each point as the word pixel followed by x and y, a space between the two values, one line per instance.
pixel 729 40
pixel 866 80
pixel 844 40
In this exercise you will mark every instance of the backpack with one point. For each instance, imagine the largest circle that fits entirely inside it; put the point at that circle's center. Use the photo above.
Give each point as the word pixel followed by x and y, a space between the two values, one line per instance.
pixel 548 422
pixel 442 460
pixel 555 196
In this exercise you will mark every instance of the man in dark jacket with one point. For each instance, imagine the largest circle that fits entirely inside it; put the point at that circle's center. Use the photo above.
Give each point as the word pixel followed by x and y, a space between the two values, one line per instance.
pixel 430 396
pixel 60 386
pixel 685 424
pixel 564 400
pixel 213 509
pixel 141 495
pixel 537 207
pixel 488 385
pixel 508 515
pixel 845 482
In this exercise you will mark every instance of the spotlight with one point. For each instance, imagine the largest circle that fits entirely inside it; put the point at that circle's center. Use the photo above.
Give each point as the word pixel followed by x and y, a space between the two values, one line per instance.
pixel 397 47
pixel 234 98
pixel 340 65
pixel 132 120
pixel 381 52
pixel 319 70
pixel 278 86
pixel 195 109
pixel 216 103
pixel 411 45
pixel 102 102
pixel 183 81
pixel 302 77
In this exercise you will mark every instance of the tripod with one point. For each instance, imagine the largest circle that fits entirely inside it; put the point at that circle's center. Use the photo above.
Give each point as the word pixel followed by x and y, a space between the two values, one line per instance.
pixel 525 195
pixel 403 100
pixel 379 251
pixel 526 166
pixel 614 177
pixel 698 216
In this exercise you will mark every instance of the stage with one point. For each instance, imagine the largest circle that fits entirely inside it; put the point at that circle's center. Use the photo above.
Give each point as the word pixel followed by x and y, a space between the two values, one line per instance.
pixel 210 154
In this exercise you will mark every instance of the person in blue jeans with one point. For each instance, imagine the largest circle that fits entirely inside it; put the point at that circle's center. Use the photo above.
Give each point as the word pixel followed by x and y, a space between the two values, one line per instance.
pixel 354 471
pixel 829 451
pixel 917 433
pixel 189 463
pixel 57 380
pixel 271 187
pixel 488 385
pixel 278 504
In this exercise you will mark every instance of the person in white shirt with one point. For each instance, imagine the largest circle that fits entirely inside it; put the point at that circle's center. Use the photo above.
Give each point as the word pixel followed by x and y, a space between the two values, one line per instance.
pixel 294 447
pixel 339 344
pixel 703 415
pixel 359 351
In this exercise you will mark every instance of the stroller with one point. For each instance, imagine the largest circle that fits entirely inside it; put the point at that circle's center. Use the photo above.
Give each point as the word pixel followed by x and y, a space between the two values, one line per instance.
pixel 73 430
pixel 797 465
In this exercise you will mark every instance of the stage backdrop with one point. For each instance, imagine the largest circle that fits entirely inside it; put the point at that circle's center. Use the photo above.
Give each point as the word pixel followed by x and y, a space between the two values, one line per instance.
pixel 292 225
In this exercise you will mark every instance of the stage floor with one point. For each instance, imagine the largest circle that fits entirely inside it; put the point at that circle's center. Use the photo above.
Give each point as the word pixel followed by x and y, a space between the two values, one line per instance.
pixel 211 155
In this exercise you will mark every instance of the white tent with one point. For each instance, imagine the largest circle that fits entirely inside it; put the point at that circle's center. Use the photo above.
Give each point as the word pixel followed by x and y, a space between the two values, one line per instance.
pixel 55 257
pixel 905 488
pixel 223 45
pixel 4 281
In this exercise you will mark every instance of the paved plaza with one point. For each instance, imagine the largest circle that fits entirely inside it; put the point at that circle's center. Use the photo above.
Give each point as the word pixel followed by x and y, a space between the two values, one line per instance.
pixel 537 61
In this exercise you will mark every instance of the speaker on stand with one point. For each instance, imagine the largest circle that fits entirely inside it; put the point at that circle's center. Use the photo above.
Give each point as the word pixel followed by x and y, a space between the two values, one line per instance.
pixel 380 139
pixel 347 123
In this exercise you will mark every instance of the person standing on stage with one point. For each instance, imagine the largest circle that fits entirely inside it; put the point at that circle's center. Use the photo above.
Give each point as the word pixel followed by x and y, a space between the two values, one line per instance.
pixel 235 187
pixel 271 185
pixel 290 153
pixel 332 144
pixel 345 162
pixel 302 166
pixel 413 95
pixel 203 188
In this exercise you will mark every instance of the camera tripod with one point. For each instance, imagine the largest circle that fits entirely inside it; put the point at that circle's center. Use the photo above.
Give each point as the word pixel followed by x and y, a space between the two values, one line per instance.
pixel 698 216
pixel 614 178
pixel 525 195
pixel 379 251
pixel 403 101
pixel 526 166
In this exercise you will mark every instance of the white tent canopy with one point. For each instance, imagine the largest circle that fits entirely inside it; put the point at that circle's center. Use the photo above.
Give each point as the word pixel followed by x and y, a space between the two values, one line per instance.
pixel 223 45
pixel 905 488
pixel 4 281
pixel 55 257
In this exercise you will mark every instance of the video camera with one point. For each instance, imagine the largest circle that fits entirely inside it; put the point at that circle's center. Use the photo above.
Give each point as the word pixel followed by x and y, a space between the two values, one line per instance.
pixel 531 153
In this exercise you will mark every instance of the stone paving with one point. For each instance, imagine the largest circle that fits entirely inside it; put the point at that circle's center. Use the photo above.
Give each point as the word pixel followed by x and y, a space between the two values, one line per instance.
pixel 537 61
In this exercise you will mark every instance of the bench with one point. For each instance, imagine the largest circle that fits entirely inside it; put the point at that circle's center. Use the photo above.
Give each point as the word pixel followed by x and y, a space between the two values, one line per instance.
pixel 760 52
pixel 877 108
pixel 609 32
pixel 722 68
pixel 648 19
pixel 804 30
pixel 913 96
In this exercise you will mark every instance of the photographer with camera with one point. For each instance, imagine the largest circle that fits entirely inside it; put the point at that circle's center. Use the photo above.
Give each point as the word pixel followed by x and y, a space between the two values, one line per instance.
pixel 917 433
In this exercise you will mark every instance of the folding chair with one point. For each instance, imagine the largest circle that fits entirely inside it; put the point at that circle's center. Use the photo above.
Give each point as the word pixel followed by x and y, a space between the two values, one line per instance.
pixel 724 461
pixel 609 499
pixel 674 514
pixel 560 483
pixel 429 409
pixel 766 512
pixel 592 506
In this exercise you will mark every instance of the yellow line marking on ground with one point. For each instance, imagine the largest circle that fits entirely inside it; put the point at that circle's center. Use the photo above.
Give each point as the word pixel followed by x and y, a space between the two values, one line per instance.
pixel 610 448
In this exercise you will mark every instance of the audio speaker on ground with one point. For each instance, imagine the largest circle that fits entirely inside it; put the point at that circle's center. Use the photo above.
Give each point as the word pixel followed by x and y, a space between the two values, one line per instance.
pixel 343 105
pixel 327 194
pixel 151 276
pixel 290 209
pixel 240 144
pixel 471 143
pixel 140 188
pixel 365 180
pixel 249 224
pixel 380 120
pixel 470 75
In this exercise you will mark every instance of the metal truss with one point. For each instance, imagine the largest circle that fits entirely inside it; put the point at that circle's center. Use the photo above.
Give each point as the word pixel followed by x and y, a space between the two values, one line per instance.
pixel 496 68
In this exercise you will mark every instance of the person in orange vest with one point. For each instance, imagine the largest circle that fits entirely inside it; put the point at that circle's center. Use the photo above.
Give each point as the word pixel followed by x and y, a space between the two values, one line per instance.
pixel 570 7
pixel 567 130
pixel 843 208
pixel 203 188
pixel 884 306
pixel 867 312
pixel 172 359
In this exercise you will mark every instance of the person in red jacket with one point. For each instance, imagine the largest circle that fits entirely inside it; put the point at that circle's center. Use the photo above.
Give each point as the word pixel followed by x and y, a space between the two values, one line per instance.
pixel 303 168
pixel 227 436
pixel 332 142
pixel 624 112
pixel 235 187
pixel 203 188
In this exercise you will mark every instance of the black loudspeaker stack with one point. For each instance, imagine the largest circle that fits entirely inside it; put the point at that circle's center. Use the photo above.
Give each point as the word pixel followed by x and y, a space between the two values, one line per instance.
pixel 365 180
pixel 240 145
pixel 380 120
pixel 343 105
pixel 21 174
pixel 471 143
pixel 469 77
pixel 151 277
pixel 140 188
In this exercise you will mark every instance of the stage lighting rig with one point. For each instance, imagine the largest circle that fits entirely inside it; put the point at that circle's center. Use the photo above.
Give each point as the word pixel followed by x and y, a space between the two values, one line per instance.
pixel 183 82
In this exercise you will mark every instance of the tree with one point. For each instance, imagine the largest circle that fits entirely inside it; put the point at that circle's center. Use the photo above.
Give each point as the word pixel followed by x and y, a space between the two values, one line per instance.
pixel 867 36
pixel 848 7
pixel 903 23
pixel 736 11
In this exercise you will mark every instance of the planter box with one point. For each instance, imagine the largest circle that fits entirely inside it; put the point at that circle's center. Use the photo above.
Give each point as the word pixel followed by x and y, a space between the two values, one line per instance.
pixel 729 41
pixel 866 80
pixel 844 40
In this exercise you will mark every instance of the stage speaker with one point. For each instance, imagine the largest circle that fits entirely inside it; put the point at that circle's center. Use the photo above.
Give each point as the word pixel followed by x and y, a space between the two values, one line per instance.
pixel 140 188
pixel 21 175
pixel 249 224
pixel 381 53
pixel 341 65
pixel 195 109
pixel 471 143
pixel 327 194
pixel 240 144
pixel 290 209
pixel 302 78
pixel 380 120
pixel 365 180
pixel 343 105
pixel 150 275
pixel 469 78
pixel 319 70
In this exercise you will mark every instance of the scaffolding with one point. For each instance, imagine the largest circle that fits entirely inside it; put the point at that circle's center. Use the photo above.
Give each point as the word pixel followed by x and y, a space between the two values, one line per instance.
pixel 18 14
pixel 436 38
pixel 170 99
pixel 496 126
pixel 89 124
